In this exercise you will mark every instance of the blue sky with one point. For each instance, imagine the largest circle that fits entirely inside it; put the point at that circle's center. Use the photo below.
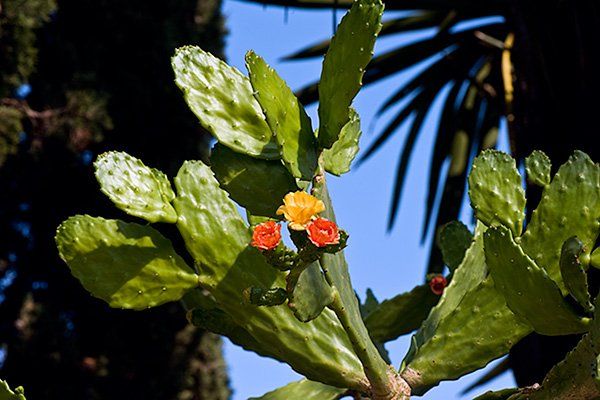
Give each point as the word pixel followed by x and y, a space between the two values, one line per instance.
pixel 387 263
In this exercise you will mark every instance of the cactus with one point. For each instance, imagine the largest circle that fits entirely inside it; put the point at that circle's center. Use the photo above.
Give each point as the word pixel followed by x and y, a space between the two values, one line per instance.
pixel 221 97
pixel 537 167
pixel 258 185
pixel 125 264
pixel 286 117
pixel 338 158
pixel 495 190
pixel 574 273
pixel 454 240
pixel 303 389
pixel 7 394
pixel 349 53
pixel 298 305
pixel 135 188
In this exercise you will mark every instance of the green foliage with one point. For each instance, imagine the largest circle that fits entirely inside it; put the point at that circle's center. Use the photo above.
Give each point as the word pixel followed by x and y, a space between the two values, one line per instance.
pixel 350 51
pixel 495 190
pixel 401 314
pixel 10 128
pixel 138 190
pixel 537 167
pixel 286 117
pixel 222 99
pixel 573 272
pixel 454 240
pixel 18 53
pixel 570 206
pixel 7 394
pixel 528 290
pixel 338 158
pixel 258 185
pixel 304 389
pixel 308 291
pixel 125 264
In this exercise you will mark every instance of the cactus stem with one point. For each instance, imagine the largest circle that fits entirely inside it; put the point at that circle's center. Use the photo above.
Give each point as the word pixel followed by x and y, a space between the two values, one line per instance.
pixel 385 383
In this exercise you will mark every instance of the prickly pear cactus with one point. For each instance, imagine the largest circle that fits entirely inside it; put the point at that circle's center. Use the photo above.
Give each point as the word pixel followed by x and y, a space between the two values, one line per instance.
pixel 296 303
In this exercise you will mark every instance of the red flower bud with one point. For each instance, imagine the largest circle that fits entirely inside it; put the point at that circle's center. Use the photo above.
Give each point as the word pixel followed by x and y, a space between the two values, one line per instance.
pixel 322 232
pixel 437 284
pixel 266 236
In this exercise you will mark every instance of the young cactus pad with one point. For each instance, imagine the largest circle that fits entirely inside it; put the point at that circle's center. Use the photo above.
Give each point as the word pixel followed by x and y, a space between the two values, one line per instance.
pixel 135 188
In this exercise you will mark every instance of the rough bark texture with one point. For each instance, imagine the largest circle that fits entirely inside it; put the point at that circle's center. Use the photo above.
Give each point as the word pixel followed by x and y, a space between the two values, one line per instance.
pixel 60 343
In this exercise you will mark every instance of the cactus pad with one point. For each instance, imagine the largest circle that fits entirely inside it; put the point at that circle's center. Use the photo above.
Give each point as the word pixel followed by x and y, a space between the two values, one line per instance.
pixel 454 240
pixel 221 97
pixel 7 394
pixel 528 290
pixel 308 292
pixel 218 240
pixel 570 206
pixel 495 190
pixel 347 57
pixel 285 116
pixel 135 188
pixel 573 272
pixel 401 314
pixel 338 158
pixel 258 185
pixel 125 264
pixel 304 390
pixel 537 167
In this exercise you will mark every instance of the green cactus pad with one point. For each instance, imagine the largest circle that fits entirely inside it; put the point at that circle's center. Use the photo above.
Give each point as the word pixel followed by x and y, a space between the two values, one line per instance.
pixel 575 377
pixel 135 188
pixel 480 329
pixel 454 240
pixel 218 240
pixel 471 318
pixel 528 290
pixel 303 390
pixel 595 258
pixel 537 167
pixel 570 206
pixel 7 394
pixel 503 394
pixel 469 274
pixel 308 292
pixel 221 97
pixel 285 116
pixel 401 314
pixel 258 185
pixel 217 321
pixel 349 53
pixel 125 264
pixel 338 158
pixel 573 273
pixel 495 190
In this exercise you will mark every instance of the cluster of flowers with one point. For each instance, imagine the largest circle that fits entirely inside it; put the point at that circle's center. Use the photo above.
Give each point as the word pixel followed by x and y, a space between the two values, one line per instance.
pixel 300 209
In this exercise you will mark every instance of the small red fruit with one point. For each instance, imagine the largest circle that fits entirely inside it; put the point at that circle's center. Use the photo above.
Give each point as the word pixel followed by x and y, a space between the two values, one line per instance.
pixel 437 284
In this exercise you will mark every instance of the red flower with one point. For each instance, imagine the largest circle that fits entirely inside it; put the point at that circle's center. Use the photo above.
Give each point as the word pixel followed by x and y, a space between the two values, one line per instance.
pixel 266 236
pixel 322 232
pixel 437 284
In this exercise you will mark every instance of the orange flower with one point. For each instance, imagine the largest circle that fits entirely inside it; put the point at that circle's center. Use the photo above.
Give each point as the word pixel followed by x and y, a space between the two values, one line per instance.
pixel 437 284
pixel 322 232
pixel 266 236
pixel 299 208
